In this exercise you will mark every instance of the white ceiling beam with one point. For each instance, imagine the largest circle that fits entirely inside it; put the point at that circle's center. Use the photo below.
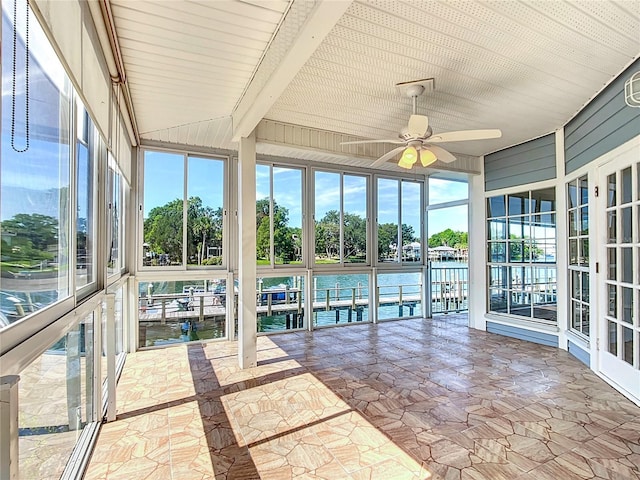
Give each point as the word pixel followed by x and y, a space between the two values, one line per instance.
pixel 284 59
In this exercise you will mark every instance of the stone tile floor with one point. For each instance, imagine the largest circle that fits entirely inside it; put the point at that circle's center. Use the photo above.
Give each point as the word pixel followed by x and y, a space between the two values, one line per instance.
pixel 412 399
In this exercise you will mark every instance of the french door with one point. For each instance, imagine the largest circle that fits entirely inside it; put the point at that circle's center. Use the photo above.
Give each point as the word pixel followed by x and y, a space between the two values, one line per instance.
pixel 619 276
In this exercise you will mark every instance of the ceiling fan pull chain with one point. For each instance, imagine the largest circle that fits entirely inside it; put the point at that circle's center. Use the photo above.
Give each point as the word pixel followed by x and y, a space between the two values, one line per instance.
pixel 26 79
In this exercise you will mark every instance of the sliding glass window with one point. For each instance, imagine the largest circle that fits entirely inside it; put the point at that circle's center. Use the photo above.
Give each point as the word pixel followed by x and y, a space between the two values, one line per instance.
pixel 87 155
pixel 279 215
pixel 205 196
pixel 183 210
pixel 399 221
pixel 35 171
pixel 340 213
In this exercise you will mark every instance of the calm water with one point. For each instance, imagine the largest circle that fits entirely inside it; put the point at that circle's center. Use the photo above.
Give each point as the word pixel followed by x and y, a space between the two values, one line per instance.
pixel 338 287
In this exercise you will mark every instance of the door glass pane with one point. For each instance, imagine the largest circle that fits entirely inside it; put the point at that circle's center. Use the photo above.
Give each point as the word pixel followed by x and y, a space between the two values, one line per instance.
pixel 572 194
pixel 611 264
pixel 585 286
pixel 585 319
pixel 575 284
pixel 611 227
pixel 626 265
pixel 388 220
pixel 612 309
pixel 612 346
pixel 205 193
pixel 287 215
pixel 163 208
pixel 627 345
pixel 584 251
pixel 327 217
pixel 576 316
pixel 573 223
pixel 584 221
pixel 626 225
pixel 411 214
pixel 355 219
pixel 573 251
pixel 627 305
pixel 626 185
pixel 611 190
pixel 584 191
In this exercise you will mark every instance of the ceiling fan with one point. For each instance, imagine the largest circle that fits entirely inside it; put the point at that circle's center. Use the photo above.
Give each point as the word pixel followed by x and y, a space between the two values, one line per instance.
pixel 417 138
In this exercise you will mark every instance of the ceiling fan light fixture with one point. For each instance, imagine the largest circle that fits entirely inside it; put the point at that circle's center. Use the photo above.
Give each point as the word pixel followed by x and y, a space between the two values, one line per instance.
pixel 427 157
pixel 409 157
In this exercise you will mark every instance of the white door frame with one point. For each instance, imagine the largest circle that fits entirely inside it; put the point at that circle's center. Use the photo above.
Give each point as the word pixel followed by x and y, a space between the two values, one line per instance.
pixel 619 373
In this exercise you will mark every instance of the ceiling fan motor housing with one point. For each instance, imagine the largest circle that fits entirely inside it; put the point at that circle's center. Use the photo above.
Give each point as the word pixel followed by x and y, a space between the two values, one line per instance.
pixel 406 135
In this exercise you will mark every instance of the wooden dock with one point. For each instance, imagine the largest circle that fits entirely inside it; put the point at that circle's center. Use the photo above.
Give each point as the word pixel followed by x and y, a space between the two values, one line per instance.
pixel 177 307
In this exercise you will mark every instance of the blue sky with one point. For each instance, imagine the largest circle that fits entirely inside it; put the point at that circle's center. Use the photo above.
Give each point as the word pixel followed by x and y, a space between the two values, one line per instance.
pixel 206 179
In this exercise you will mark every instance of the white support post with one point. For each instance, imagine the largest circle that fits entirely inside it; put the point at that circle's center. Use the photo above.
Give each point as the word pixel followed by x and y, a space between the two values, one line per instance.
pixel 373 296
pixel 562 258
pixel 309 295
pixel 247 335
pixel 427 305
pixel 9 427
pixel 111 357
pixel 477 253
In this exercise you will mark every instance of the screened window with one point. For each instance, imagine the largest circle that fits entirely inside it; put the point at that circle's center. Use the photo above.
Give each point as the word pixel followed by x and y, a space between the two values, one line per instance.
pixel 399 221
pixel 340 214
pixel 278 215
pixel 578 233
pixel 521 244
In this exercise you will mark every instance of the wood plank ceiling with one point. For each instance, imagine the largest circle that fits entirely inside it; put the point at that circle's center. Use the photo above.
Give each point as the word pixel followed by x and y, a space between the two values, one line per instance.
pixel 525 67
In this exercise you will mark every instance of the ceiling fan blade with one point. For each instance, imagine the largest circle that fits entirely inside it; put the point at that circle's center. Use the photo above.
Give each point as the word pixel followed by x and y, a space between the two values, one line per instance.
pixel 463 135
pixel 387 156
pixel 362 142
pixel 418 125
pixel 441 153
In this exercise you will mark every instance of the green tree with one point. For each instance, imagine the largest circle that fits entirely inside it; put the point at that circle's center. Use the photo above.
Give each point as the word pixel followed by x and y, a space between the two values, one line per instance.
pixel 163 229
pixel 387 239
pixel 41 231
pixel 328 234
pixel 283 242
pixel 408 234
pixel 204 223
pixel 354 236
pixel 450 238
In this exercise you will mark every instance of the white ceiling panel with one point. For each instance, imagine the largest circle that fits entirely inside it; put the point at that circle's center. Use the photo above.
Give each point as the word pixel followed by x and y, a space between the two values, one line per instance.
pixel 524 66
